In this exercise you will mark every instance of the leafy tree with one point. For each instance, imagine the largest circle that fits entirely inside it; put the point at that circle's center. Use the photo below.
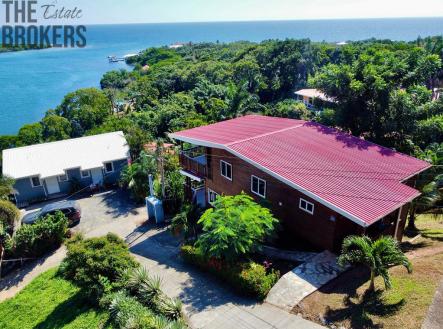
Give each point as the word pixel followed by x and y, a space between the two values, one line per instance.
pixel 144 94
pixel 247 71
pixel 115 79
pixel 30 134
pixel 429 183
pixel 135 176
pixel 378 256
pixel 84 109
pixel 44 235
pixel 186 222
pixel 4 238
pixel 290 108
pixel 56 128
pixel 234 227
pixel 9 215
pixel 6 187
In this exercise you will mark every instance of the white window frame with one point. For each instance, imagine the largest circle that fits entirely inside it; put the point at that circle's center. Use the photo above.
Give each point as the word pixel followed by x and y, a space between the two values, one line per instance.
pixel 63 178
pixel 307 203
pixel 221 169
pixel 106 169
pixel 258 185
pixel 209 196
pixel 83 176
pixel 32 182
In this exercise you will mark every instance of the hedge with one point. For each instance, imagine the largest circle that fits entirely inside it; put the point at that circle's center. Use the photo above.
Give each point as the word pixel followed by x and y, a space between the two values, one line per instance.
pixel 247 278
pixel 45 235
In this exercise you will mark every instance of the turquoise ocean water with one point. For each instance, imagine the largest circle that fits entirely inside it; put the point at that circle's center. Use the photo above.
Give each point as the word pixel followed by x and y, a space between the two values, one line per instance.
pixel 32 82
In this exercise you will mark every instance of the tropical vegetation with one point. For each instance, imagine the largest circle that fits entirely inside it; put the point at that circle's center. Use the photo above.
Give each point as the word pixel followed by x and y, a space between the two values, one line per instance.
pixel 113 281
pixel 384 92
pixel 227 237
pixel 235 227
pixel 379 256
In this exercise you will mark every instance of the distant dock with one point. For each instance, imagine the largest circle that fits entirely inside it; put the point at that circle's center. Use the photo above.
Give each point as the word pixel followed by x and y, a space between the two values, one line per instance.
pixel 115 59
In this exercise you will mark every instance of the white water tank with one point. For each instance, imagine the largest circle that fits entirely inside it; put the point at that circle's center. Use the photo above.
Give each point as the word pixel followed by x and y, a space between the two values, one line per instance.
pixel 154 207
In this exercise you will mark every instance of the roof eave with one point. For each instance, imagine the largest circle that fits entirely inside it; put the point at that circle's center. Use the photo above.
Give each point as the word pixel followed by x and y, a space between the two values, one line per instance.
pixel 273 174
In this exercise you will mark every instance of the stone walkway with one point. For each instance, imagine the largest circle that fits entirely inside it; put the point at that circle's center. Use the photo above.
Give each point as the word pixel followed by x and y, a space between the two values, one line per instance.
pixel 434 319
pixel 207 303
pixel 305 279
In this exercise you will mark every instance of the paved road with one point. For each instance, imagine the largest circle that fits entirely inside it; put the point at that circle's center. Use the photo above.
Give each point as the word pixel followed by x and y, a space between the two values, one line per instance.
pixel 208 305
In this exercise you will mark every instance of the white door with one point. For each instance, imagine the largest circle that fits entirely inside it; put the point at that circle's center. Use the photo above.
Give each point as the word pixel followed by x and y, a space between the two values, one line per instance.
pixel 52 185
pixel 97 176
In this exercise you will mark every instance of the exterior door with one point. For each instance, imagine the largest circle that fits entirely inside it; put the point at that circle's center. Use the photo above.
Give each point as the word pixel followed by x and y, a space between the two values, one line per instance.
pixel 52 185
pixel 97 176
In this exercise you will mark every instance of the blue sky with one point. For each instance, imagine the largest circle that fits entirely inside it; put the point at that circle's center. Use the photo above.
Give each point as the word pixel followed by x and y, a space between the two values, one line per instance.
pixel 154 11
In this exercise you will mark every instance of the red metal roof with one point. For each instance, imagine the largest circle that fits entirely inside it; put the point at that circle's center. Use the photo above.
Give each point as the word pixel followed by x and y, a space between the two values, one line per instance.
pixel 359 179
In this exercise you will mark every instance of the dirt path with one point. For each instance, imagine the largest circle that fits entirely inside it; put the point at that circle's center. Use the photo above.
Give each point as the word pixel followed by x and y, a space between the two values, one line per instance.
pixel 425 252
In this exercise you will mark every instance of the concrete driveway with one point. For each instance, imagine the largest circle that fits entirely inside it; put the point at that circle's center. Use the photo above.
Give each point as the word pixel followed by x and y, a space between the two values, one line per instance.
pixel 208 304
pixel 107 212
pixel 101 214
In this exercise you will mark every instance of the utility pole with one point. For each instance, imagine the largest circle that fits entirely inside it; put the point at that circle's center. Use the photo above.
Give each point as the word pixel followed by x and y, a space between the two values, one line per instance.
pixel 162 174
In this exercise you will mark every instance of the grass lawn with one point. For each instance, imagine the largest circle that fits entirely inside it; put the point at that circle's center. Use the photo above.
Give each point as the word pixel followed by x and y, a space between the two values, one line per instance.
pixel 50 302
pixel 344 302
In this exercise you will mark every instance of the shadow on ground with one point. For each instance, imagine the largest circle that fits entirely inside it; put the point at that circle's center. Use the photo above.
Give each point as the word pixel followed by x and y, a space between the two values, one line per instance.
pixel 197 290
pixel 66 312
pixel 119 204
pixel 16 276
pixel 359 309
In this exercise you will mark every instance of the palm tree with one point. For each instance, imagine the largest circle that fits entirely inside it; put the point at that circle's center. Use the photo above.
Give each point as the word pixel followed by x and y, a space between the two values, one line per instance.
pixel 378 256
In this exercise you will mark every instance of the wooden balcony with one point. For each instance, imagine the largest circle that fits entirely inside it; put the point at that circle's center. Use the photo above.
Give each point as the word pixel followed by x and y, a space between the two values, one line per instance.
pixel 194 161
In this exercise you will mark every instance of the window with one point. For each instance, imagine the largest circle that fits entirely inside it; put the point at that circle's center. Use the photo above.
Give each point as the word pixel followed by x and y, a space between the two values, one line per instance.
pixel 86 173
pixel 35 181
pixel 212 196
pixel 226 170
pixel 307 206
pixel 258 186
pixel 109 167
pixel 63 178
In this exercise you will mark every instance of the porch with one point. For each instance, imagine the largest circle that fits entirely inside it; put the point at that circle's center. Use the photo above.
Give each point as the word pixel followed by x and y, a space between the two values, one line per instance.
pixel 194 161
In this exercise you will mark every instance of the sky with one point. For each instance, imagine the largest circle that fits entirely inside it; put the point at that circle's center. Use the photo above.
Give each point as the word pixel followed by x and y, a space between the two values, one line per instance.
pixel 156 11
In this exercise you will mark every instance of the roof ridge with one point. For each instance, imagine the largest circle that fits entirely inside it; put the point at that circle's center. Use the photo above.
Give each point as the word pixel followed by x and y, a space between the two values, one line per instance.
pixel 62 141
pixel 267 134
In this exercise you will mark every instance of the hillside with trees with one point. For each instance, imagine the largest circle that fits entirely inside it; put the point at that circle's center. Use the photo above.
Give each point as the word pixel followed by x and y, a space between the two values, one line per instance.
pixel 385 93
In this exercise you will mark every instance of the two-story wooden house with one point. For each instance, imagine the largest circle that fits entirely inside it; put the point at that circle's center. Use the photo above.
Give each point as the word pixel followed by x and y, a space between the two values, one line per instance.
pixel 322 184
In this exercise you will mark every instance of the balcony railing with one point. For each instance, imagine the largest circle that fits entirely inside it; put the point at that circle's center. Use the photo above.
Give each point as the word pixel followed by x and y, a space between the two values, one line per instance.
pixel 194 161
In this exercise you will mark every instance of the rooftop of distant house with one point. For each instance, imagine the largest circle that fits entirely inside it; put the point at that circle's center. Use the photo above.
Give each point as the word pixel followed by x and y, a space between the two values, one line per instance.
pixel 52 159
pixel 314 93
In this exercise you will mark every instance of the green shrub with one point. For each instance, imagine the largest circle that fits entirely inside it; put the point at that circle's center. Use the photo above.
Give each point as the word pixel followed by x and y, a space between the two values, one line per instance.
pixel 97 264
pixel 9 215
pixel 147 289
pixel 247 278
pixel 128 312
pixel 46 234
pixel 235 227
